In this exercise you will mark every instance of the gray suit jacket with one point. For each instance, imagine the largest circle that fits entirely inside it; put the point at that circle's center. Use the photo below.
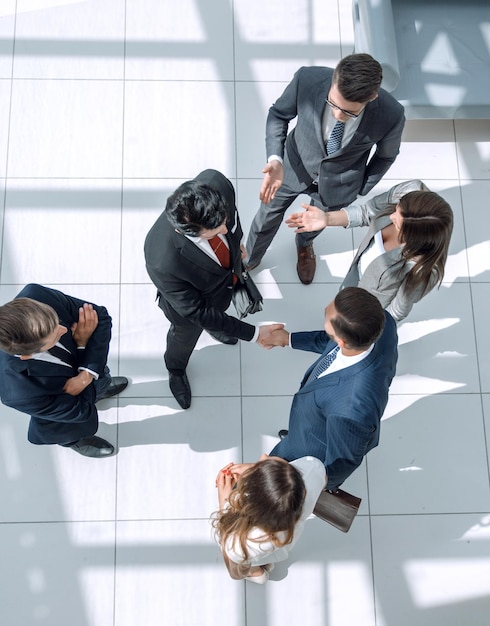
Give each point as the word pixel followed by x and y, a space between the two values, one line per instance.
pixel 385 276
pixel 347 173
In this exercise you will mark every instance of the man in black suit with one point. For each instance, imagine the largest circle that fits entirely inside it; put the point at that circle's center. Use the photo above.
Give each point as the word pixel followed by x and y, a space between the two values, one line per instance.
pixel 340 116
pixel 53 366
pixel 193 255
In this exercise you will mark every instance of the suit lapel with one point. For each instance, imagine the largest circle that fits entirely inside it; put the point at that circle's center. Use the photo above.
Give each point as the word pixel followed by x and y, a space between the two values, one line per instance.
pixel 320 103
pixel 332 380
pixel 194 254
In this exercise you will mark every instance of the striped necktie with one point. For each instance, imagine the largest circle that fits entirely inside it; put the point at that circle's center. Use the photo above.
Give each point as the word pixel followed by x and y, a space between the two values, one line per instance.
pixel 221 251
pixel 323 364
pixel 335 140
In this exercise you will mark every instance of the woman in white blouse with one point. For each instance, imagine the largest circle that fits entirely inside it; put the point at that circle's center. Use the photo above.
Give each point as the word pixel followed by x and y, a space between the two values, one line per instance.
pixel 262 510
pixel 403 254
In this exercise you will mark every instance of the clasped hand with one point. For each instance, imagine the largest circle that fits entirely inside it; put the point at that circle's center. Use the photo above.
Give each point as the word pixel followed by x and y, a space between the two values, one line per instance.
pixel 272 335
pixel 86 325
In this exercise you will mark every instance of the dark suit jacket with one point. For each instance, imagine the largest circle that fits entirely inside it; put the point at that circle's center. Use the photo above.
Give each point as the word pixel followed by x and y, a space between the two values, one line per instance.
pixel 36 387
pixel 346 173
pixel 191 286
pixel 336 418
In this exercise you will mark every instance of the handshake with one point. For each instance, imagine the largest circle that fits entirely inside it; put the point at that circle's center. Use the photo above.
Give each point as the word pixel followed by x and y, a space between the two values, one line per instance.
pixel 272 335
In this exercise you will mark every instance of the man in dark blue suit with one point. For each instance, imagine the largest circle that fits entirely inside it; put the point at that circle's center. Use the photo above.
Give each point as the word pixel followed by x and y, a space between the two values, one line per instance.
pixel 336 414
pixel 53 366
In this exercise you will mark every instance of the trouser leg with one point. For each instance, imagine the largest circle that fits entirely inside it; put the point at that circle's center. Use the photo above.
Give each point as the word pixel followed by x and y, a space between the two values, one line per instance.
pixel 102 383
pixel 266 223
pixel 181 341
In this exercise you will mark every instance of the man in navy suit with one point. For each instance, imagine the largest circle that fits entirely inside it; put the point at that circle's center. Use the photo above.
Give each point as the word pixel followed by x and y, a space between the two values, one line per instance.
pixel 341 115
pixel 336 414
pixel 53 366
pixel 184 258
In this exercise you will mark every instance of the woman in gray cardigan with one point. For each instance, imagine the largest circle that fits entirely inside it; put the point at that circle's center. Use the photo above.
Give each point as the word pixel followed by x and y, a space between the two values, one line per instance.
pixel 403 254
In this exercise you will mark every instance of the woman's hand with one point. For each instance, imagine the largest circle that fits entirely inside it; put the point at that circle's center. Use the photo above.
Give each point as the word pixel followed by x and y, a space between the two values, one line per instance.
pixel 225 481
pixel 311 220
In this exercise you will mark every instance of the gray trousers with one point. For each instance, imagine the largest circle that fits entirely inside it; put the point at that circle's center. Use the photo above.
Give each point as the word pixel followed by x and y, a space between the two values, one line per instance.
pixel 269 218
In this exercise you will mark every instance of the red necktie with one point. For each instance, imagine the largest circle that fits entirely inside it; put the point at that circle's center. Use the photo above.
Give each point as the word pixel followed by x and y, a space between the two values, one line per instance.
pixel 221 250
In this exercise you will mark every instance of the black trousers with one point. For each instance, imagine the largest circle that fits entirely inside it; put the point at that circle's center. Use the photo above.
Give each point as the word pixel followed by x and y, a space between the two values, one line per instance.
pixel 181 341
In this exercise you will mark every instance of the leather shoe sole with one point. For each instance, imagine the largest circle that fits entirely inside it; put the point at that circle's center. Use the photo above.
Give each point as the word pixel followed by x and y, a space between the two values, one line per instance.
pixel 222 338
pixel 181 390
pixel 118 384
pixel 283 433
pixel 306 265
pixel 94 447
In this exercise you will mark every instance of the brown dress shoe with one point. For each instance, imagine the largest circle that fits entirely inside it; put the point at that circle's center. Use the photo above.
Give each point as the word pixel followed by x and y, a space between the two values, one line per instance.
pixel 306 264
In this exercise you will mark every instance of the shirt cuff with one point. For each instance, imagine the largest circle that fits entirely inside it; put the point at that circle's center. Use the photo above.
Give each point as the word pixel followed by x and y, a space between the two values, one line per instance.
pixel 86 369
pixel 275 157
pixel 256 334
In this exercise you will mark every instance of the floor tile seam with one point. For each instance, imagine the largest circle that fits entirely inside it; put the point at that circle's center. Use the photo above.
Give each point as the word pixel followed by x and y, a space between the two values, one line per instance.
pixel 426 514
pixel 114 520
pixel 126 79
pixel 10 78
pixel 162 519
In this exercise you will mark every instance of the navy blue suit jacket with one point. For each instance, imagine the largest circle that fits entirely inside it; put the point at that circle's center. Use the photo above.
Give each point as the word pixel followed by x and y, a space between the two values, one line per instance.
pixel 336 418
pixel 36 387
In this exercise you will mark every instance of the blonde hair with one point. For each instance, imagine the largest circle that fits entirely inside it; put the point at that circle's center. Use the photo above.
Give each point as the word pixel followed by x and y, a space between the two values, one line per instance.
pixel 25 324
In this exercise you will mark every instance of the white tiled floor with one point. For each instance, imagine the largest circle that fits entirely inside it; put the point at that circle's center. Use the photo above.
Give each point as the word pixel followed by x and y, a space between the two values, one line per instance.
pixel 105 107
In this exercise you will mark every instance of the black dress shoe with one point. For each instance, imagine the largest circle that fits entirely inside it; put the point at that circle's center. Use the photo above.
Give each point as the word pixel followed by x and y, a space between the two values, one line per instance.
pixel 222 338
pixel 95 447
pixel 181 390
pixel 118 383
pixel 283 433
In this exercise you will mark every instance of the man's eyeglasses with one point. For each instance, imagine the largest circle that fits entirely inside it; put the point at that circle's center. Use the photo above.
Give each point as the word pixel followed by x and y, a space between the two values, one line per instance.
pixel 353 116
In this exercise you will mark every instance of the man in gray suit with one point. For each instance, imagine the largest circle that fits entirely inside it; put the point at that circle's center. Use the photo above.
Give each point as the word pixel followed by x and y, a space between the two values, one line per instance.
pixel 340 115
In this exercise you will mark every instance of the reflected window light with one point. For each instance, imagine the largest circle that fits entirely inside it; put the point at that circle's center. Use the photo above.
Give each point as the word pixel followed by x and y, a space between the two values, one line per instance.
pixel 286 21
pixel 478 532
pixel 339 263
pixel 479 258
pixel 450 95
pixel 439 582
pixel 37 5
pixel 440 57
pixel 268 286
pixel 36 580
pixel 423 384
pixel 411 468
pixel 9 453
pixel 342 579
pixel 412 331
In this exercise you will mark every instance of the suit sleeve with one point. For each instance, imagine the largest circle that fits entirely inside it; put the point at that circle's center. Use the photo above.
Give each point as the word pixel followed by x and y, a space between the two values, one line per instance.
pixel 57 407
pixel 189 303
pixel 312 341
pixel 402 303
pixel 363 214
pixel 387 150
pixel 280 114
pixel 94 357
pixel 347 445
